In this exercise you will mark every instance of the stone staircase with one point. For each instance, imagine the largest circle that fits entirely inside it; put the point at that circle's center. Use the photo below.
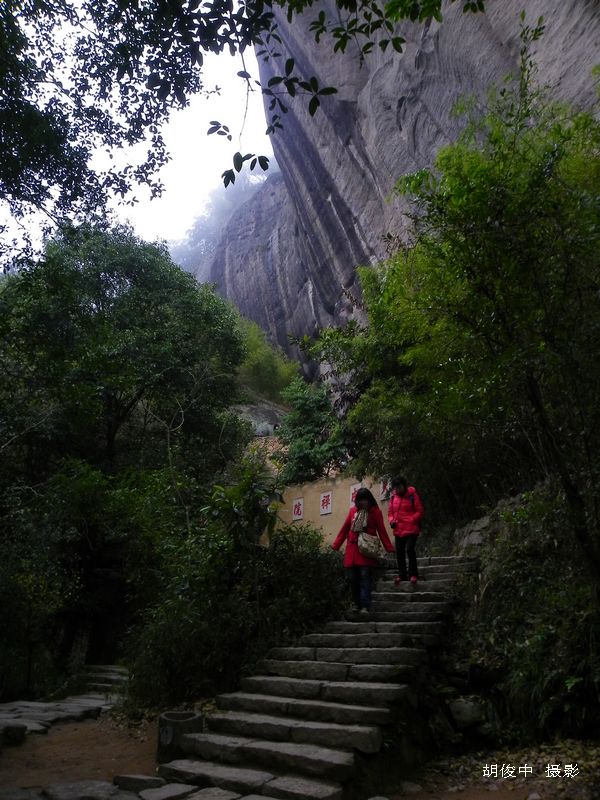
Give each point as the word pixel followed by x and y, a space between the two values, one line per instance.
pixel 106 679
pixel 296 730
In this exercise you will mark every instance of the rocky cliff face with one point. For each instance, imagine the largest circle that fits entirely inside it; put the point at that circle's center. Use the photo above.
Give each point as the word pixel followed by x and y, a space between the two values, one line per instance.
pixel 292 250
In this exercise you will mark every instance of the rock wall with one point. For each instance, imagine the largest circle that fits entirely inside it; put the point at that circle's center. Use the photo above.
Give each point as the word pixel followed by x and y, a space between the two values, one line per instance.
pixel 293 249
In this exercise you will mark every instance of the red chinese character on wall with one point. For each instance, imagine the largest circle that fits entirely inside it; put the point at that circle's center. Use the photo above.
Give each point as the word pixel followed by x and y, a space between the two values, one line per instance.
pixel 326 501
pixel 298 508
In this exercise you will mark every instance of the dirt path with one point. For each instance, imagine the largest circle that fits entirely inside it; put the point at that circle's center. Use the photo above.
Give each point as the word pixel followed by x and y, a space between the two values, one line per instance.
pixel 93 749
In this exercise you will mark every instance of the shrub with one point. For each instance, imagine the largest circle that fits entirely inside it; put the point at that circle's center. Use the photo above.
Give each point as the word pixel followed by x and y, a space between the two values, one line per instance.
pixel 531 623
pixel 226 599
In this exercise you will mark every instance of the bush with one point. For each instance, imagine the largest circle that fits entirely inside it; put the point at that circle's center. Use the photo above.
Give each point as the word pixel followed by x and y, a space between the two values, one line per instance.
pixel 266 369
pixel 310 433
pixel 225 599
pixel 531 624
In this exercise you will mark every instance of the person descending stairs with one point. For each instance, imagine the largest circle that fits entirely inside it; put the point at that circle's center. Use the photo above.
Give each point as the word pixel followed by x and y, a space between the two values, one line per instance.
pixel 292 731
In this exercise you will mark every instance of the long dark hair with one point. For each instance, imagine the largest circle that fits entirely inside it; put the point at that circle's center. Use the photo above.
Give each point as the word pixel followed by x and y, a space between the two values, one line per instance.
pixel 365 494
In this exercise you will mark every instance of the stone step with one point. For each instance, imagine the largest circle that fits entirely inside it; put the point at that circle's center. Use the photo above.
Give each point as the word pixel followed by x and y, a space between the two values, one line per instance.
pixel 443 586
pixel 237 779
pixel 439 562
pixel 371 694
pixel 351 655
pixel 400 614
pixel 445 570
pixel 338 671
pixel 103 688
pixel 411 596
pixel 308 759
pixel 429 628
pixel 112 668
pixel 366 738
pixel 395 606
pixel 117 679
pixel 314 710
pixel 368 639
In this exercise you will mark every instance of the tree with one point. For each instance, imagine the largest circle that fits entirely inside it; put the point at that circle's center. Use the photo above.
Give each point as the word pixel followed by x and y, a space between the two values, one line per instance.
pixel 266 370
pixel 310 433
pixel 110 349
pixel 116 375
pixel 76 77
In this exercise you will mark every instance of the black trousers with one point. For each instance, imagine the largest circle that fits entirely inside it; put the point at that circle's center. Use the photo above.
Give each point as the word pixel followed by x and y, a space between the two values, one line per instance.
pixel 360 583
pixel 406 544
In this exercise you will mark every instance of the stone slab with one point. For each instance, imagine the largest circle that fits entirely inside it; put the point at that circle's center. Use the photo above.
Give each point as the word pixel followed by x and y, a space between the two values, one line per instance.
pixel 221 775
pixel 214 793
pixel 279 685
pixel 313 710
pixel 371 640
pixel 214 747
pixel 296 788
pixel 381 672
pixel 328 734
pixel 20 794
pixel 407 614
pixel 81 790
pixel 367 691
pixel 137 783
pixel 322 762
pixel 372 655
pixel 170 791
pixel 306 669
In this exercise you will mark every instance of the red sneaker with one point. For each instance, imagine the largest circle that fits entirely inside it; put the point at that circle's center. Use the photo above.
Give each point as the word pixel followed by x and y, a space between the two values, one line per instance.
pixel 413 579
pixel 397 580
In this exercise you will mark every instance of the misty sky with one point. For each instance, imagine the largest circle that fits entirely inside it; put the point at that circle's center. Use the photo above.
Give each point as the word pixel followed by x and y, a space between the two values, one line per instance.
pixel 197 159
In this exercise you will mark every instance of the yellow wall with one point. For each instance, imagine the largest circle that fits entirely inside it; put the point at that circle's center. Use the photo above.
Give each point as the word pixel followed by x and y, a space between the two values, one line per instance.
pixel 311 493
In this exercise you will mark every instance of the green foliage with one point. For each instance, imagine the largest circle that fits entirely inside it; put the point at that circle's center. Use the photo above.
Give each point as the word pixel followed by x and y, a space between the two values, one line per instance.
pixel 479 366
pixel 265 369
pixel 310 433
pixel 415 10
pixel 533 608
pixel 497 305
pixel 33 587
pixel 111 353
pixel 116 374
pixel 224 599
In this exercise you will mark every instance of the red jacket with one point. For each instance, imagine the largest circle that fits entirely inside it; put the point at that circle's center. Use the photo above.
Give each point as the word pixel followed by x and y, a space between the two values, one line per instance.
pixel 375 526
pixel 406 512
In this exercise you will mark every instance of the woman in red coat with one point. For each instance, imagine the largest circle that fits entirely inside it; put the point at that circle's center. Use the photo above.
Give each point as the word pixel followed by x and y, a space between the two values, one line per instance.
pixel 404 513
pixel 366 516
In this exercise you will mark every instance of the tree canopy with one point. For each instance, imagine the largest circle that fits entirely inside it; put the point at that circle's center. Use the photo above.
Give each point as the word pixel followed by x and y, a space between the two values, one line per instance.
pixel 77 77
pixel 108 343
pixel 310 434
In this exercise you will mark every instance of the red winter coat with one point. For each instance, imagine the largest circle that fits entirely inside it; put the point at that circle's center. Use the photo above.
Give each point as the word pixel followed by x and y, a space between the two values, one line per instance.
pixel 406 512
pixel 375 526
